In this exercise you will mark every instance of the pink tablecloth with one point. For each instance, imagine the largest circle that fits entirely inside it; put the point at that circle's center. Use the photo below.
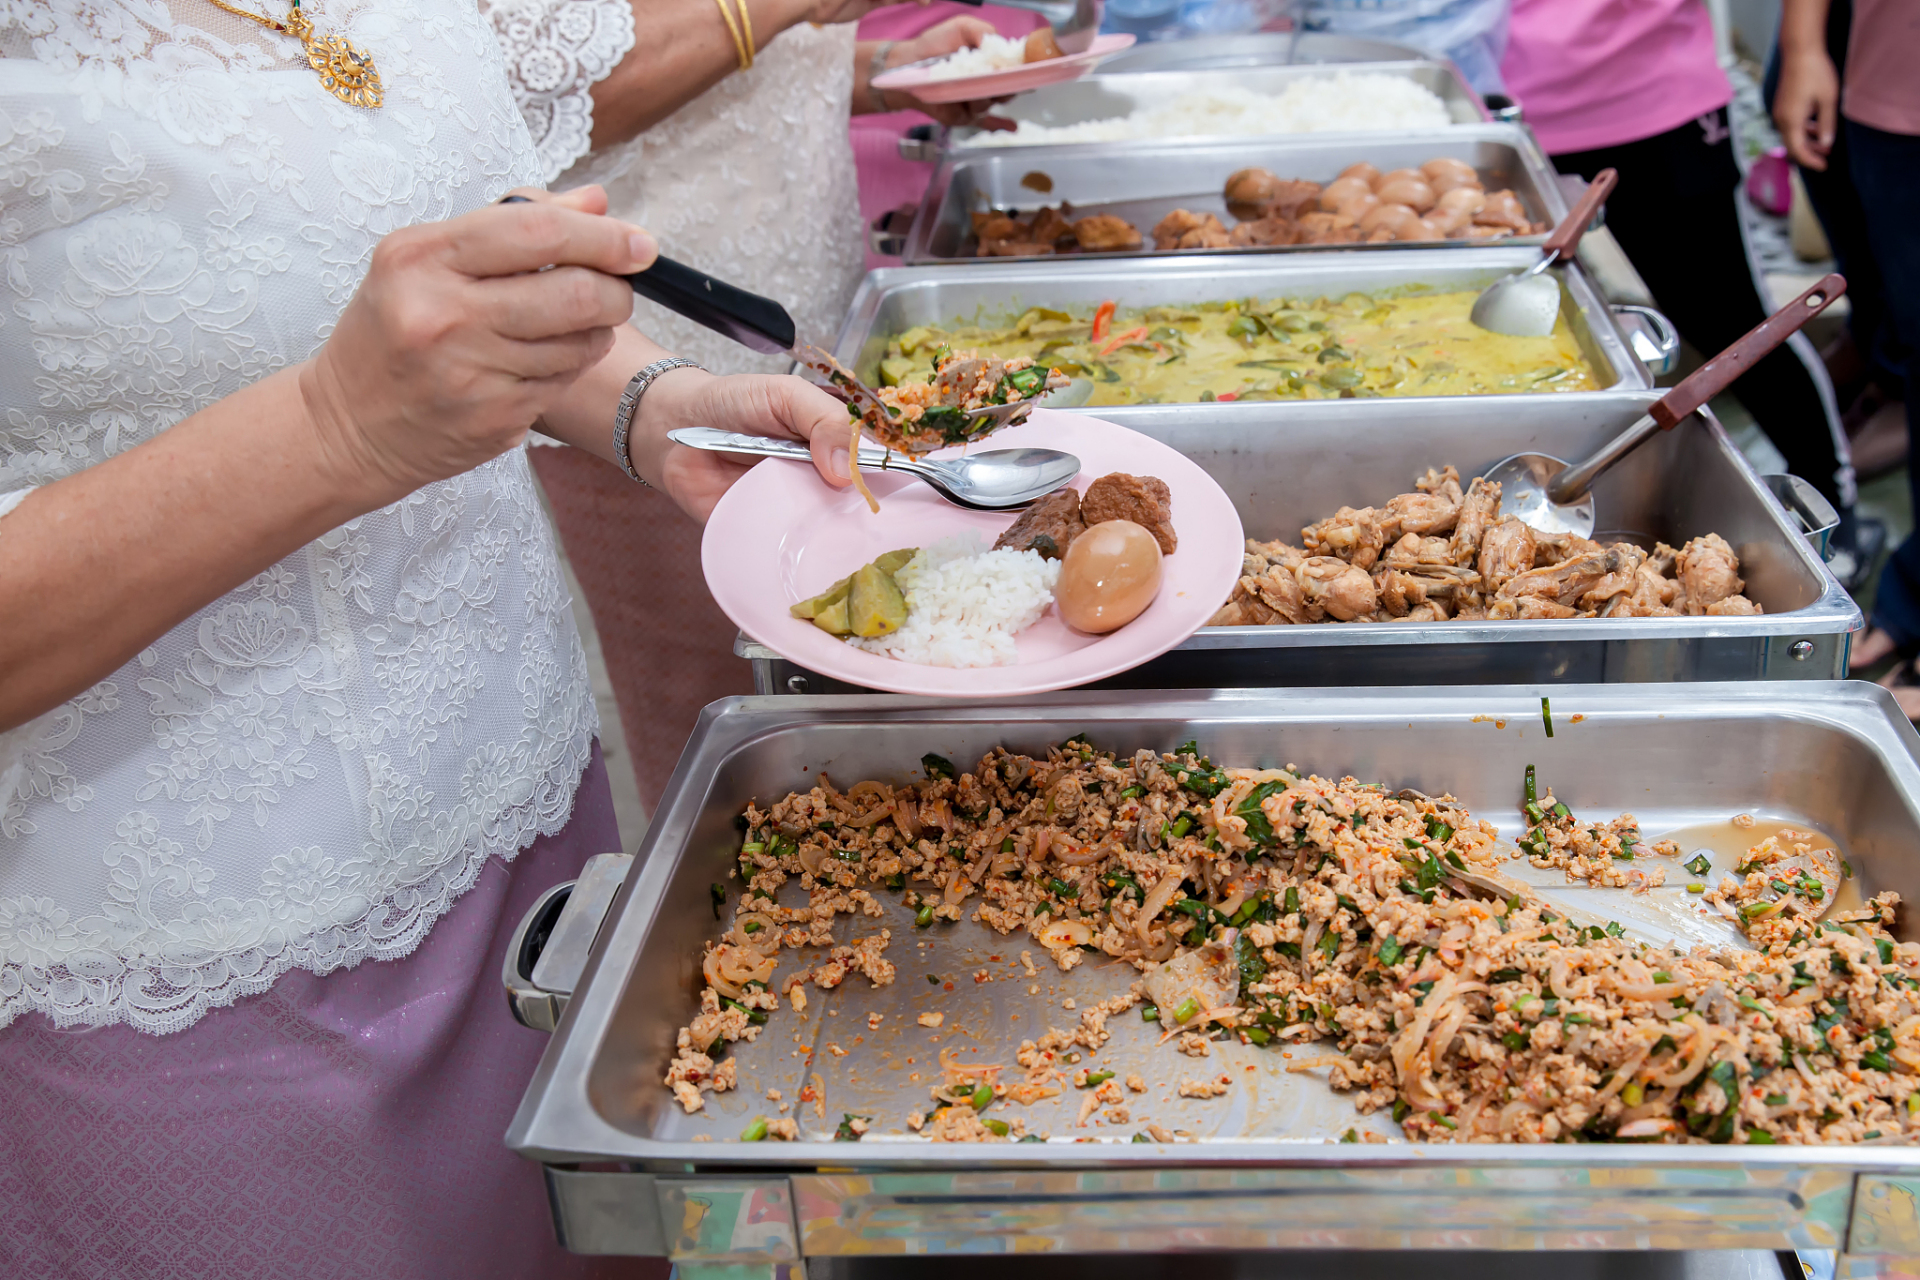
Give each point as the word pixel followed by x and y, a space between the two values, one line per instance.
pixel 887 181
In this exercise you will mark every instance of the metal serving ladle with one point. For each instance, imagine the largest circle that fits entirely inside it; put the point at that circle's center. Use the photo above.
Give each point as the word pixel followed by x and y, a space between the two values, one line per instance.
pixel 1526 303
pixel 1554 497
pixel 997 480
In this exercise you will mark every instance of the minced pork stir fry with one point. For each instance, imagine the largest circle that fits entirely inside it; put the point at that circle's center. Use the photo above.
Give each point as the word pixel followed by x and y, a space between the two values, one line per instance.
pixel 1279 909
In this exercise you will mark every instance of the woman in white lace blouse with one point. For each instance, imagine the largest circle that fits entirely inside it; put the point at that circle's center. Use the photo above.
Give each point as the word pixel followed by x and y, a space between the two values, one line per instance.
pixel 287 672
pixel 746 173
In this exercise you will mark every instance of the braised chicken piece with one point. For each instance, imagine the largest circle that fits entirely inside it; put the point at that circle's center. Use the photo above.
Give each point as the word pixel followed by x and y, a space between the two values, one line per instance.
pixel 1425 513
pixel 1565 582
pixel 1354 536
pixel 1291 198
pixel 1503 209
pixel 1618 583
pixel 1709 571
pixel 1050 226
pixel 1527 607
pixel 1343 590
pixel 1055 518
pixel 1265 232
pixel 1505 550
pixel 1145 500
pixel 1326 228
pixel 1251 188
pixel 1733 607
pixel 1477 509
pixel 1104 233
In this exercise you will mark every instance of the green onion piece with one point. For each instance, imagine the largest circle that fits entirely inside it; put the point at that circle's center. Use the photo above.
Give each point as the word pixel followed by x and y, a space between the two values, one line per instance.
pixel 982 1095
pixel 1006 845
pixel 1874 1060
pixel 1031 1137
pixel 755 1132
pixel 1846 869
pixel 1696 887
pixel 1401 1109
pixel 1531 791
pixel 1438 830
pixel 1435 1116
pixel 1759 1138
pixel 1454 858
pixel 1546 715
pixel 1615 929
pixel 1149 1011
pixel 1775 1099
pixel 1097 1078
pixel 1913 1104
pixel 1187 1008
pixel 1132 792
pixel 846 855
pixel 999 1127
pixel 923 917
pixel 1634 1094
pixel 1514 1041
pixel 1141 1137
pixel 1292 901
pixel 1257 1035
pixel 1061 889
pixel 1698 865
pixel 1182 825
pixel 1351 1135
pixel 1390 951
pixel 1561 810
pixel 751 926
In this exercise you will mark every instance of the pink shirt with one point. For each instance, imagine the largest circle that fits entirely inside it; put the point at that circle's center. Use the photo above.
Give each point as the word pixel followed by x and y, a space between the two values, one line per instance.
pixel 1883 66
pixel 1597 73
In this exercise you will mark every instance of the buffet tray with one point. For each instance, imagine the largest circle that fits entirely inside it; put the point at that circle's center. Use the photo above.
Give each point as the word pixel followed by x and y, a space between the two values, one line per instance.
pixel 892 300
pixel 1264 1169
pixel 1287 465
pixel 1143 182
pixel 1103 96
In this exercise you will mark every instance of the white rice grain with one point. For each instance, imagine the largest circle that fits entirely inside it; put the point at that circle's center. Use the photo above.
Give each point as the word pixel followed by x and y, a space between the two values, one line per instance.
pixel 1342 102
pixel 966 604
pixel 996 53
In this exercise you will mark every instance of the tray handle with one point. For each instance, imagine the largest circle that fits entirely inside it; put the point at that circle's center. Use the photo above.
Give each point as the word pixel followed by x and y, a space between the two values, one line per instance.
pixel 1812 512
pixel 919 144
pixel 550 947
pixel 1650 335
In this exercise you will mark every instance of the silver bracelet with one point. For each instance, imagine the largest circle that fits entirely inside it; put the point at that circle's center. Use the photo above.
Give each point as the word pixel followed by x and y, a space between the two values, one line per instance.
pixel 630 405
pixel 877 65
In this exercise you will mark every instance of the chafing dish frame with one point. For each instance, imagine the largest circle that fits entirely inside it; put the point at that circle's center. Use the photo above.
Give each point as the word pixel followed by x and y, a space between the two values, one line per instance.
pixel 615 1189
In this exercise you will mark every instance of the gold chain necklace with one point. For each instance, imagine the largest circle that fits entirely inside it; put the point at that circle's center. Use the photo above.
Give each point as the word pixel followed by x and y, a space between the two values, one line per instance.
pixel 346 70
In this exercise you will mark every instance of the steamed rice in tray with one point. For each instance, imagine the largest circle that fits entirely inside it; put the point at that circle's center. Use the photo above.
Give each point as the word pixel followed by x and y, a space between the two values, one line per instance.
pixel 1346 927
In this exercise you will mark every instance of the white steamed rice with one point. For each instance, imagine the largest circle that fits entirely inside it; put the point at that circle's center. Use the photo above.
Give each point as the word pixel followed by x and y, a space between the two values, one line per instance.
pixel 996 53
pixel 1344 101
pixel 965 604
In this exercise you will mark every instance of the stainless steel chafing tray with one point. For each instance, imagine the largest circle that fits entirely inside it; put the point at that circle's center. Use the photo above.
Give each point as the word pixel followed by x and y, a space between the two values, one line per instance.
pixel 1285 466
pixel 1143 182
pixel 1262 1171
pixel 894 299
pixel 1102 97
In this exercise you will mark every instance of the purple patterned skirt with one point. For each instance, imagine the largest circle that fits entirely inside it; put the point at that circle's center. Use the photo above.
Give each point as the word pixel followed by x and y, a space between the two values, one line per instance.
pixel 345 1126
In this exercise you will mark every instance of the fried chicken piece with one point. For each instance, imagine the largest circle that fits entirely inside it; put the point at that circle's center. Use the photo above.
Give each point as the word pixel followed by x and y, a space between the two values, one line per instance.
pixel 1734 607
pixel 999 226
pixel 1477 509
pixel 1354 536
pixel 1565 582
pixel 1320 227
pixel 1653 594
pixel 1399 592
pixel 1168 231
pixel 1527 607
pixel 1056 516
pixel 1430 611
pixel 1550 549
pixel 1345 591
pixel 1104 233
pixel 1415 551
pixel 1050 226
pixel 1505 550
pixel 1273 598
pixel 1273 553
pixel 1011 249
pixel 1214 235
pixel 1145 500
pixel 1709 571
pixel 1440 480
pixel 1265 232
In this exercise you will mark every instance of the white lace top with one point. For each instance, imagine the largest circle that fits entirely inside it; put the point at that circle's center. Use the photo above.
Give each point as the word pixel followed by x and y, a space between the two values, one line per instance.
pixel 309 770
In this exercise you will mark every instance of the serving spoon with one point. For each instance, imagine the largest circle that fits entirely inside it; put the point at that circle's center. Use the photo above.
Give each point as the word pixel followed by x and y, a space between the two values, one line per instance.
pixel 997 480
pixel 1526 303
pixel 1555 497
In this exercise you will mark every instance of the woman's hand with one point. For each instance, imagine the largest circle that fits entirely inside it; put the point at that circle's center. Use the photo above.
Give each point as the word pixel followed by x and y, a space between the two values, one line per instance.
pixel 936 41
pixel 1806 106
pixel 782 406
pixel 458 340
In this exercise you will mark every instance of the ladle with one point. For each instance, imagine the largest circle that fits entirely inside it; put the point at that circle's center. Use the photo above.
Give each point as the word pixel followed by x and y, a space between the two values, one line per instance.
pixel 1554 497
pixel 1526 303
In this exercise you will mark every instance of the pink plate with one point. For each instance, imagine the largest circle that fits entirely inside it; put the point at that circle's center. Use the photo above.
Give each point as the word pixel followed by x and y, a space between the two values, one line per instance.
pixel 780 535
pixel 1000 84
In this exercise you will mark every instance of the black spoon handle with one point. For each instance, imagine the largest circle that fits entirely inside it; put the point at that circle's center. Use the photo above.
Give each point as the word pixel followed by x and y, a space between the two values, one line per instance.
pixel 758 323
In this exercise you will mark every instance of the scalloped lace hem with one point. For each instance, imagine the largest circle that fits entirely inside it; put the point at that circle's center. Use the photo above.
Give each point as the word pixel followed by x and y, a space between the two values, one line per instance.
pixel 163 999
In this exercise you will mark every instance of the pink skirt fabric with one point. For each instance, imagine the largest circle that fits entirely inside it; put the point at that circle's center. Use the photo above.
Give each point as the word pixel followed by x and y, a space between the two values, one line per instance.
pixel 349 1125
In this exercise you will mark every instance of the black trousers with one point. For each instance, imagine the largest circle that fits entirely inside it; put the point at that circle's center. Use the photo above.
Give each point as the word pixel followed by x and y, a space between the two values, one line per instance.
pixel 1674 214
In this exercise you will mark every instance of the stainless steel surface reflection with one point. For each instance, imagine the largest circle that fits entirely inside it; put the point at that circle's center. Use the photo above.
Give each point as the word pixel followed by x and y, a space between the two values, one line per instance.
pixel 1751 1264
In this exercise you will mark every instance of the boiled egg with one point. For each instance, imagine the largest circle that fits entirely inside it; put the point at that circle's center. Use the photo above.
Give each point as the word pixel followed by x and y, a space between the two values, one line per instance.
pixel 1109 576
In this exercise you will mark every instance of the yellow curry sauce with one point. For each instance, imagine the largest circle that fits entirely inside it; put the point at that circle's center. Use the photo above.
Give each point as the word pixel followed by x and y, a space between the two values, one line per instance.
pixel 1279 349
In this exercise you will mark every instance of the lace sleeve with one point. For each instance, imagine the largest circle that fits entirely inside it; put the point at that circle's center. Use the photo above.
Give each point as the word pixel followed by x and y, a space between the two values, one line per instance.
pixel 556 51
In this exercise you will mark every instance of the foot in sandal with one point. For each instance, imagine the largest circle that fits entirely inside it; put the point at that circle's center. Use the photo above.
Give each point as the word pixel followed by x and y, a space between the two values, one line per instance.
pixel 1875 646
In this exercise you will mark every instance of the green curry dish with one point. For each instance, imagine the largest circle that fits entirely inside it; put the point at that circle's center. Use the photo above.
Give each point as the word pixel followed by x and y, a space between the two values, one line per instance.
pixel 1359 345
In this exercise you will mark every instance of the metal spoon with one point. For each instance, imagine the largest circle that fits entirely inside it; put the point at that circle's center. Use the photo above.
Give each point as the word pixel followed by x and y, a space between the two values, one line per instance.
pixel 1526 303
pixel 997 480
pixel 1554 497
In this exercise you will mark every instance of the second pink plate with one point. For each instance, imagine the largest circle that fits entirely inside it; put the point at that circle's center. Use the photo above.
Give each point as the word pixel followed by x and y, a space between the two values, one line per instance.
pixel 1001 84
pixel 780 535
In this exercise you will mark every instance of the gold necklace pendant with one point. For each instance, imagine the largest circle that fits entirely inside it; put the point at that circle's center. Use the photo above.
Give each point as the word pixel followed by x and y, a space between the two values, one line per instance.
pixel 346 70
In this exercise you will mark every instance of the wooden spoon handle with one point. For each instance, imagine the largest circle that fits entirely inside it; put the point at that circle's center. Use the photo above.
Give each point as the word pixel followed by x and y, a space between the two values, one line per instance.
pixel 1566 237
pixel 1717 374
